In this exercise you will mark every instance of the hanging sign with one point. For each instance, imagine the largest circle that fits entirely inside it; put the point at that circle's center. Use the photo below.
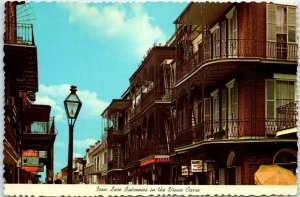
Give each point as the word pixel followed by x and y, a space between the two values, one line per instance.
pixel 30 161
pixel 30 152
pixel 43 154
pixel 198 166
pixel 185 171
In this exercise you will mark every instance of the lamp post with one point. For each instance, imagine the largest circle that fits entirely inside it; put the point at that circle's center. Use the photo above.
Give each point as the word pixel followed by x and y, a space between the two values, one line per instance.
pixel 72 106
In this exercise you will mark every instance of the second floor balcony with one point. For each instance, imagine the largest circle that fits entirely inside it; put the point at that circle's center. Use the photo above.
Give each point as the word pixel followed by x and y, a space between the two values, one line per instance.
pixel 147 148
pixel 93 169
pixel 235 129
pixel 113 165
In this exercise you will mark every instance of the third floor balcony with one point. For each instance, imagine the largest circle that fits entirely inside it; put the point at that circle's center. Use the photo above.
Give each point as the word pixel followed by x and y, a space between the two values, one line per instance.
pixel 238 50
pixel 19 34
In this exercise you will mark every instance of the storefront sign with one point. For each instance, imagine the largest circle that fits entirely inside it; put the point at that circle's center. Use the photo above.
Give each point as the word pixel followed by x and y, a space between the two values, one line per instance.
pixel 30 161
pixel 43 154
pixel 185 171
pixel 34 168
pixel 198 166
pixel 30 152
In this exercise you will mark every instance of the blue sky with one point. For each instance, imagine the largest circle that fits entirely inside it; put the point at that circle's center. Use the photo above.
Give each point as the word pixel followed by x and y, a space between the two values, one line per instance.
pixel 97 47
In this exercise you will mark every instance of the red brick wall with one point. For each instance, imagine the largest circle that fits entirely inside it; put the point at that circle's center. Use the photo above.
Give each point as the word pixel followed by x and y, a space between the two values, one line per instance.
pixel 251 99
pixel 250 164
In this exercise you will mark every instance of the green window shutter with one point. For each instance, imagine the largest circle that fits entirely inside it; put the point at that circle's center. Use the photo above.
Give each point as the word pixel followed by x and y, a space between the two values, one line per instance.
pixel 291 12
pixel 270 99
pixel 207 109
pixel 271 22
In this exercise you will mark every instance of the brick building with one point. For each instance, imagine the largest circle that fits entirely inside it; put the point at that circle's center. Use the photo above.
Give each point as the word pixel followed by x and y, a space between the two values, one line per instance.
pixel 235 69
pixel 28 126
pixel 213 104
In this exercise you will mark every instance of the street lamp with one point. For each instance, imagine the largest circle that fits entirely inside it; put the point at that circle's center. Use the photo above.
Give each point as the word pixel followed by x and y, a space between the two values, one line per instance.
pixel 72 106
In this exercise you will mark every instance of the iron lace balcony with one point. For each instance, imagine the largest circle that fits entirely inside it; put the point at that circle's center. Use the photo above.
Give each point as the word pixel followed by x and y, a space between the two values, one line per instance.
pixel 237 49
pixel 39 127
pixel 232 129
pixel 20 34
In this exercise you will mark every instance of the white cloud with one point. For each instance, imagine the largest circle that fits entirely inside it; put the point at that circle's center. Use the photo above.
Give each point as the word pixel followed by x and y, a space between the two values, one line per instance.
pixel 76 155
pixel 54 95
pixel 84 143
pixel 91 105
pixel 132 26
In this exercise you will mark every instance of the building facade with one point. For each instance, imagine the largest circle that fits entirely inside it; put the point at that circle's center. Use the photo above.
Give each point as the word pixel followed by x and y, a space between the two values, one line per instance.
pixel 95 171
pixel 235 71
pixel 213 104
pixel 28 126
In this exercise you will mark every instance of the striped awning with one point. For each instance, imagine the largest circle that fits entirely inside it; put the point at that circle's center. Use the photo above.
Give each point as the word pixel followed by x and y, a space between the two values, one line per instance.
pixel 155 160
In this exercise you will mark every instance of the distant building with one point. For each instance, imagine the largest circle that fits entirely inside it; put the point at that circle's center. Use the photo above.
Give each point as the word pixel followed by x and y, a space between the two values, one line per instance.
pixel 96 163
pixel 78 170
pixel 64 174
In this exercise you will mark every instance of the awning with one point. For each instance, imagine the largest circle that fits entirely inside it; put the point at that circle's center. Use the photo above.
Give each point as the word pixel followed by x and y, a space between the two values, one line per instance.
pixel 286 131
pixel 155 160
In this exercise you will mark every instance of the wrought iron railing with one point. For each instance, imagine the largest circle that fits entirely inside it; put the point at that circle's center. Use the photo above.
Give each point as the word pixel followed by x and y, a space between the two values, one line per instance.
pixel 111 165
pixel 147 99
pixel 232 129
pixel 288 111
pixel 237 48
pixel 146 148
pixel 89 169
pixel 38 127
pixel 19 34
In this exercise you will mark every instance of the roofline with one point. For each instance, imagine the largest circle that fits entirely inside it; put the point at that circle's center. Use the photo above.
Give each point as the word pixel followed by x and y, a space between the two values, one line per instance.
pixel 183 12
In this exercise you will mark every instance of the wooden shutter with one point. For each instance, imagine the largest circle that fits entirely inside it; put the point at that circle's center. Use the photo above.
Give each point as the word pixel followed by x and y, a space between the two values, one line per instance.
pixel 270 99
pixel 291 17
pixel 235 101
pixel 235 25
pixel 207 109
pixel 223 38
pixel 224 108
pixel 271 22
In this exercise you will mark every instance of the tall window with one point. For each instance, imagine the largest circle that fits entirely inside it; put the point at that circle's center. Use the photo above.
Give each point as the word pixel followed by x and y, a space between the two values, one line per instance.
pixel 281 28
pixel 215 30
pixel 232 32
pixel 232 115
pixel 279 91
